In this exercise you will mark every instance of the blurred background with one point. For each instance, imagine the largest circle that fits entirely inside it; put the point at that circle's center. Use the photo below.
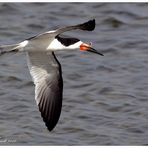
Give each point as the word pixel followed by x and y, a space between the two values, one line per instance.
pixel 105 100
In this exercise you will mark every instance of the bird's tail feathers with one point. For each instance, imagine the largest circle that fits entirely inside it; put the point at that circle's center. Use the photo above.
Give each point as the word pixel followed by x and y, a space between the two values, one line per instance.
pixel 10 48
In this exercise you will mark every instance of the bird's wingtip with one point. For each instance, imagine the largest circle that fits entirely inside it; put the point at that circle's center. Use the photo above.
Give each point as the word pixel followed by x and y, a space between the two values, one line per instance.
pixel 50 128
pixel 89 26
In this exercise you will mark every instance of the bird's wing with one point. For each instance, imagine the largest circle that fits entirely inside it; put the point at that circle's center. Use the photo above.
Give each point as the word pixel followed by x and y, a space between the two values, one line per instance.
pixel 88 26
pixel 47 76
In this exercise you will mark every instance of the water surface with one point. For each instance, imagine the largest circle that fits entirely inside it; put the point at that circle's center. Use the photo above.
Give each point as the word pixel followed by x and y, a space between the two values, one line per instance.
pixel 105 99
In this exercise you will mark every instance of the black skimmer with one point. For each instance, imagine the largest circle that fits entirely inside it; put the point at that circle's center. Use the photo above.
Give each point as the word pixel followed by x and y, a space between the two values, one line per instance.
pixel 46 70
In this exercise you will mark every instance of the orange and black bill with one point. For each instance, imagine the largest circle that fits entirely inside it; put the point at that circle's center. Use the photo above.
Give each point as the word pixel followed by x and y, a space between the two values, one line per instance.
pixel 88 47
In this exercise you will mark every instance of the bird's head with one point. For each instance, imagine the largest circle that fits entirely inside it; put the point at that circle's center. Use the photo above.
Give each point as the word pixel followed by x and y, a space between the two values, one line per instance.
pixel 62 43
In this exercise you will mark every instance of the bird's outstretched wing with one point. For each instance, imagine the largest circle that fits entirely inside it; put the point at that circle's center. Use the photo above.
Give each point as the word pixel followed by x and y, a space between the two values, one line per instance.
pixel 88 26
pixel 47 76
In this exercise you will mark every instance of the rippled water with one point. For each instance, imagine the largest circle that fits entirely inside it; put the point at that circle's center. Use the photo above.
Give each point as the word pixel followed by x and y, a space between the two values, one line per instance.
pixel 105 98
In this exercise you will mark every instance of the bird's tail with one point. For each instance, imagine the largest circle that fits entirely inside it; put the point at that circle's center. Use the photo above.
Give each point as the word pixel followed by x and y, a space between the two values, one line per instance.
pixel 13 47
pixel 10 48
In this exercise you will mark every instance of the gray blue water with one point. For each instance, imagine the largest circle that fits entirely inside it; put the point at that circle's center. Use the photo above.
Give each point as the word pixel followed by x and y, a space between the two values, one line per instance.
pixel 105 98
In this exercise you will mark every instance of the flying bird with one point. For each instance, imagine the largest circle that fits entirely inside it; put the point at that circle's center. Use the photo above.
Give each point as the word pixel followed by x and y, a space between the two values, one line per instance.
pixel 45 68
